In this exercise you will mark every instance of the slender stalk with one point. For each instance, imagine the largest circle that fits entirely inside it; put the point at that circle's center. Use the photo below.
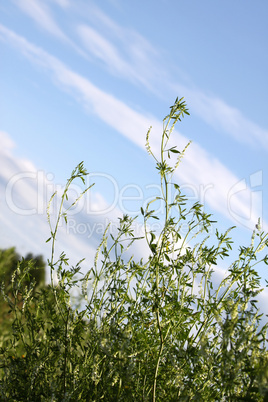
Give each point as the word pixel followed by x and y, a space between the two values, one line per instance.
pixel 159 354
pixel 65 352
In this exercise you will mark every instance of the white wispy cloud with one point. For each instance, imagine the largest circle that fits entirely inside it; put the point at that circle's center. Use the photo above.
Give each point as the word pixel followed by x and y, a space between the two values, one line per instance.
pixel 132 41
pixel 199 167
pixel 224 117
pixel 6 142
pixel 103 50
pixel 18 201
pixel 62 3
pixel 42 15
pixel 101 47
pixel 129 55
pixel 217 187
pixel 121 49
pixel 126 55
pixel 140 61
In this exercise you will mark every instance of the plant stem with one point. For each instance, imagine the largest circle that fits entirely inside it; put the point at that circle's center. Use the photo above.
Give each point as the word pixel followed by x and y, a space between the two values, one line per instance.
pixel 159 353
pixel 65 352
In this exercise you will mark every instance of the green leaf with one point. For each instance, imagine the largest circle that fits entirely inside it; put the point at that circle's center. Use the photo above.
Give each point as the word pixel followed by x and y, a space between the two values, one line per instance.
pixel 175 151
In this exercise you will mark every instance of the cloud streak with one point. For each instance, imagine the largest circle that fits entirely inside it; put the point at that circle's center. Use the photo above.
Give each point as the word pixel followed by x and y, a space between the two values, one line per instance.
pixel 42 16
pixel 199 167
pixel 62 3
pixel 108 54
pixel 129 55
pixel 221 116
pixel 133 57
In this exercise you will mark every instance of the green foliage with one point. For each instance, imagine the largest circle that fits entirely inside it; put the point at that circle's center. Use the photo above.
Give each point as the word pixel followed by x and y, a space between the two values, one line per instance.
pixel 9 262
pixel 149 330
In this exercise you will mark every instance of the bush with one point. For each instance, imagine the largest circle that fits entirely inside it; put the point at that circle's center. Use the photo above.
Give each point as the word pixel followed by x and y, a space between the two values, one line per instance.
pixel 149 330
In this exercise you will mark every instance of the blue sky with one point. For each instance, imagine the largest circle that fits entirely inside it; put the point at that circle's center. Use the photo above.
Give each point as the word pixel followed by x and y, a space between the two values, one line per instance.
pixel 84 80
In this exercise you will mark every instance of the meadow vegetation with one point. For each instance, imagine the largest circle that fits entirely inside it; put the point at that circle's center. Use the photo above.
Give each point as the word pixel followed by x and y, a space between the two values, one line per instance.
pixel 156 329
